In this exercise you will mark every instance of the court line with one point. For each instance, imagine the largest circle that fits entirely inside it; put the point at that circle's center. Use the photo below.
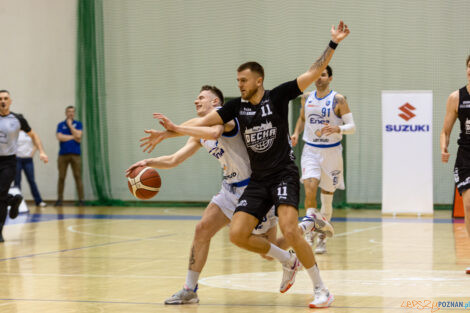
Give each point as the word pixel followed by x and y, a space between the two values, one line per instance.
pixel 71 229
pixel 93 275
pixel 85 247
pixel 234 305
pixel 356 231
pixel 44 217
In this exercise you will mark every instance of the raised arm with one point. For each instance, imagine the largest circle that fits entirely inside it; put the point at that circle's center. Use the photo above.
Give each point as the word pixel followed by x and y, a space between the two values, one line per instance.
pixel 299 126
pixel 38 145
pixel 169 161
pixel 314 72
pixel 449 120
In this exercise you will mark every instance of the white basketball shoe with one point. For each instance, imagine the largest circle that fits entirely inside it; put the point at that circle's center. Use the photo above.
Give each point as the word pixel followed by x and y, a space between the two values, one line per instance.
pixel 290 269
pixel 322 298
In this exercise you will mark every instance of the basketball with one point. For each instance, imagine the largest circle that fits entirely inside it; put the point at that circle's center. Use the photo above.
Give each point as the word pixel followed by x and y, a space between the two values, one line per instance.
pixel 144 182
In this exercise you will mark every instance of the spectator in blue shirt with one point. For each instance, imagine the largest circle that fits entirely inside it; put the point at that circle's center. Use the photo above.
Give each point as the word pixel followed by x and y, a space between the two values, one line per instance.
pixel 69 134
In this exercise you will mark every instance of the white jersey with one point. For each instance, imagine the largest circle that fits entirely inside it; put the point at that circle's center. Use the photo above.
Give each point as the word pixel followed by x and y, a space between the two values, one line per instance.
pixel 319 111
pixel 25 146
pixel 231 152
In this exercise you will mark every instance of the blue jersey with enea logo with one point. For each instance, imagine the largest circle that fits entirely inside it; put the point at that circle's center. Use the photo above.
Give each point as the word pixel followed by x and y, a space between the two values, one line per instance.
pixel 318 112
pixel 71 146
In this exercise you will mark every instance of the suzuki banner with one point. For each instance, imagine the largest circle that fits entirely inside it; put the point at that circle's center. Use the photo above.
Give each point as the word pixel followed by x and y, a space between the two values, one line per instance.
pixel 407 152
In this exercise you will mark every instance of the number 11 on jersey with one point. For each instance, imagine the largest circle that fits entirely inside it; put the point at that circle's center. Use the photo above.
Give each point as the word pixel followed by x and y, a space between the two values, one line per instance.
pixel 282 191
pixel 266 110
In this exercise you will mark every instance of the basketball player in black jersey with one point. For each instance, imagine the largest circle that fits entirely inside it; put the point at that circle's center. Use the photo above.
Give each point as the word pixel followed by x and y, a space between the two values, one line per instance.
pixel 458 106
pixel 263 117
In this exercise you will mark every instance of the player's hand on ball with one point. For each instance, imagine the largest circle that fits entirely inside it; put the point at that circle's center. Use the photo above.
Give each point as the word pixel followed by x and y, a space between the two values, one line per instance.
pixel 152 140
pixel 165 121
pixel 142 163
pixel 328 129
pixel 340 33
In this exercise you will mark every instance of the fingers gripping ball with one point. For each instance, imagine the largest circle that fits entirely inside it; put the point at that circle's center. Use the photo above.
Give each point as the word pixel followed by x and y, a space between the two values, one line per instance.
pixel 144 182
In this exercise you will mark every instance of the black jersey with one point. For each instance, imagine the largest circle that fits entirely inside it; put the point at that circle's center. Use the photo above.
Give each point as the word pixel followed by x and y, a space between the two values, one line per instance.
pixel 10 126
pixel 463 113
pixel 265 128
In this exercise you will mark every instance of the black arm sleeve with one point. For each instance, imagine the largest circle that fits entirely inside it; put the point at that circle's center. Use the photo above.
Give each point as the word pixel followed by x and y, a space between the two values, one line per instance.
pixel 24 124
pixel 230 110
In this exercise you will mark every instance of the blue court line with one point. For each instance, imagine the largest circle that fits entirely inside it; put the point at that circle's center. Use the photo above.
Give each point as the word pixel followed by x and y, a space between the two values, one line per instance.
pixel 38 217
pixel 85 247
pixel 44 217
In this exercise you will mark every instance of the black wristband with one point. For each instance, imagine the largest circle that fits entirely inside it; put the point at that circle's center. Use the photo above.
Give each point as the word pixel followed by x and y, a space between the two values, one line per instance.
pixel 332 44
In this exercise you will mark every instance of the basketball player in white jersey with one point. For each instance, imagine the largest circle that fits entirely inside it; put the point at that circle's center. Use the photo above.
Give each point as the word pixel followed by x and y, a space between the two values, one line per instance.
pixel 458 107
pixel 324 118
pixel 224 143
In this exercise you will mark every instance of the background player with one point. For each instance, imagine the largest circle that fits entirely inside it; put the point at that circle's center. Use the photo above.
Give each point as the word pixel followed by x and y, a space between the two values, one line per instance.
pixel 324 118
pixel 458 106
pixel 262 115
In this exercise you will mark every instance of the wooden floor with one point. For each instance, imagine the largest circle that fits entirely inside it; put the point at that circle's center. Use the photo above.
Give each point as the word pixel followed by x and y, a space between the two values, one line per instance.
pixel 131 259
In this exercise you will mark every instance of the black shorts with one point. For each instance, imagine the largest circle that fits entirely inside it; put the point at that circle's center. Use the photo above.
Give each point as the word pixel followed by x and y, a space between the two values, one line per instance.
pixel 462 169
pixel 7 175
pixel 260 195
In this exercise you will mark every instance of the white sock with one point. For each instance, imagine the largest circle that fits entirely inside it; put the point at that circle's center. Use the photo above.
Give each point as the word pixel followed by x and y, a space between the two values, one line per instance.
pixel 191 279
pixel 310 211
pixel 278 253
pixel 326 205
pixel 314 274
pixel 306 226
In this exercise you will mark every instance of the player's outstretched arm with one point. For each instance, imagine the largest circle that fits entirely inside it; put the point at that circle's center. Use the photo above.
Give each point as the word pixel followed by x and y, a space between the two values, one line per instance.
pixel 205 132
pixel 169 161
pixel 299 126
pixel 213 118
pixel 314 72
pixel 449 120
pixel 154 138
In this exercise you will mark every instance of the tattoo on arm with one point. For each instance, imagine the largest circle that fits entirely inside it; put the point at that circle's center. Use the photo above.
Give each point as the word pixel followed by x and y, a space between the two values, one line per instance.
pixel 322 59
pixel 341 100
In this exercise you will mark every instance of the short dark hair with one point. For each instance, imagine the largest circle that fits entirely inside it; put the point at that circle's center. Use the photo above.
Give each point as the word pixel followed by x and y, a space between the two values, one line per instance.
pixel 468 59
pixel 329 70
pixel 252 66
pixel 4 90
pixel 216 91
pixel 70 107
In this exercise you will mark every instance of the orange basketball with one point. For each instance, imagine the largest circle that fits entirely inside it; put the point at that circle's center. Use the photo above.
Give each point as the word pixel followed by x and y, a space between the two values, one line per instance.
pixel 144 182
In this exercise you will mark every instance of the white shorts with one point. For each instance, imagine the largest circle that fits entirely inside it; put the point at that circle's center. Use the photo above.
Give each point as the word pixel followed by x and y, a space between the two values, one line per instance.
pixel 324 164
pixel 227 200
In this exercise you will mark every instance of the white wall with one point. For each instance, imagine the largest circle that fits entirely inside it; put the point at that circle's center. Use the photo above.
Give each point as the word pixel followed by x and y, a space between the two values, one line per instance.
pixel 158 54
pixel 38 68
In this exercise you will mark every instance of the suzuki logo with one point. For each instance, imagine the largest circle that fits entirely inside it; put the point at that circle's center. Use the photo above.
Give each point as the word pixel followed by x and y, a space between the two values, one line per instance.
pixel 407 114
